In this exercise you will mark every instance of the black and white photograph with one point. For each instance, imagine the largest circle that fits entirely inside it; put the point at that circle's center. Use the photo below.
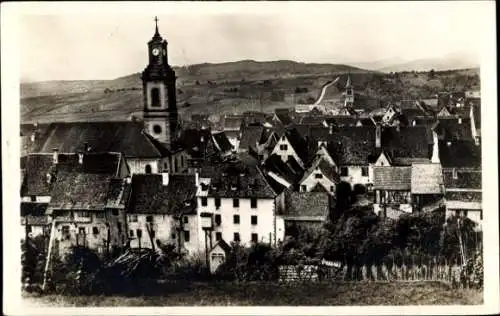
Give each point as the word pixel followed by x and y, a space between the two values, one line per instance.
pixel 249 155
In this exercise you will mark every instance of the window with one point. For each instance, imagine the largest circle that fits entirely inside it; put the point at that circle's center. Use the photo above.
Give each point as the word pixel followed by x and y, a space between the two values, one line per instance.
pixel 204 187
pixel 155 97
pixel 236 219
pixel 481 214
pixel 343 171
pixel 95 230
pixel 364 171
pixel 217 203
pixel 148 169
pixel 165 166
pixel 236 237
pixel 157 129
pixel 255 238
pixel 119 227
pixel 332 188
pixel 149 218
pixel 303 188
pixel 172 236
pixel 33 198
pixel 65 232
pixel 131 233
pixel 132 218
pixel 218 236
pixel 318 176
pixel 284 147
pixel 186 219
pixel 203 201
pixel 114 212
pixel 218 219
pixel 81 230
pixel 186 236
pixel 253 220
pixel 29 228
pixel 236 203
pixel 253 202
pixel 182 161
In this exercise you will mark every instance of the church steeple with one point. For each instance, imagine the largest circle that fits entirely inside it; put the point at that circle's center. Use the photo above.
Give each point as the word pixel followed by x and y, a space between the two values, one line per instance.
pixel 159 91
pixel 349 93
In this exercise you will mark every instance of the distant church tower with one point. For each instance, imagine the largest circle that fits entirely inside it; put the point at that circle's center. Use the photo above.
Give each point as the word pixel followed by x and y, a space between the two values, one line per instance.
pixel 349 93
pixel 158 84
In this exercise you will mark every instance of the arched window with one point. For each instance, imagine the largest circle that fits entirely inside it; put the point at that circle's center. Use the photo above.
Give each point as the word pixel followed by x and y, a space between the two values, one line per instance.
pixel 155 97
pixel 157 129
pixel 148 168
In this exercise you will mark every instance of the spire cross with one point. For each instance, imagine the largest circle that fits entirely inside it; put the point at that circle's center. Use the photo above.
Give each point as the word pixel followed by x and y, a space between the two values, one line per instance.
pixel 156 25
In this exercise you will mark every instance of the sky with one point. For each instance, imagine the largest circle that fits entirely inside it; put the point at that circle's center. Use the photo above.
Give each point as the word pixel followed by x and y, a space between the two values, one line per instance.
pixel 80 43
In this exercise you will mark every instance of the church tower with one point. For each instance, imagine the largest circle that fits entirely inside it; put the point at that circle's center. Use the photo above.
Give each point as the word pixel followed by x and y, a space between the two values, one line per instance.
pixel 159 93
pixel 349 93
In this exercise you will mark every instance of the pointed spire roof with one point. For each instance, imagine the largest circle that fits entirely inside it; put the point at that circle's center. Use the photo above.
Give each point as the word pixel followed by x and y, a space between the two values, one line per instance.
pixel 348 83
pixel 157 33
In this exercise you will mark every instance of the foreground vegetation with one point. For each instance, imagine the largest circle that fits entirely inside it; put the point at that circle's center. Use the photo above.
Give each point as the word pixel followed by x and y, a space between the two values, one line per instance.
pixel 272 294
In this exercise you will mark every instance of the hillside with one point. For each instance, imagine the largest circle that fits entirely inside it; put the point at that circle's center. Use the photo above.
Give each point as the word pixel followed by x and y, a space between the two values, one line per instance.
pixel 230 88
pixel 226 87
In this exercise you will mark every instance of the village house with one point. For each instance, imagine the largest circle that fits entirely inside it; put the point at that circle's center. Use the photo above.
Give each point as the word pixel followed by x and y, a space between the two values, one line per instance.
pixel 427 187
pixel 240 202
pixel 199 145
pixel 353 150
pixel 292 145
pixel 320 177
pixel 89 193
pixel 392 186
pixel 297 211
pixel 231 126
pixel 461 162
pixel 251 137
pixel 162 211
pixel 34 221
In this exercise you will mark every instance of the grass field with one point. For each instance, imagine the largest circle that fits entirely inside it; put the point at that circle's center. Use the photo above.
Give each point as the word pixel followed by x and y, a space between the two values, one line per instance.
pixel 226 294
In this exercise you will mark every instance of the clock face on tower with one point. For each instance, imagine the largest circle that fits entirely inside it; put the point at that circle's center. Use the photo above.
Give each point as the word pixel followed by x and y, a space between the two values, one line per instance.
pixel 156 51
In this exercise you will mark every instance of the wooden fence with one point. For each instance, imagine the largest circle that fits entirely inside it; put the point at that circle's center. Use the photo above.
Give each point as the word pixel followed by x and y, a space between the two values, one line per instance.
pixel 424 272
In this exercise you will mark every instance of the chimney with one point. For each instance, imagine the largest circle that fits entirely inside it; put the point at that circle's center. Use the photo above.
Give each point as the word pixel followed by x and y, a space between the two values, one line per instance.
pixel 164 178
pixel 459 120
pixel 378 135
pixel 55 155
pixel 80 158
pixel 197 178
pixel 414 122
pixel 435 148
pixel 33 137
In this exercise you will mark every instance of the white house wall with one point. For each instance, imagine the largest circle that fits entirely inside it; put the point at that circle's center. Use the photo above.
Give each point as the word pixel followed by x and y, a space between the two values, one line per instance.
pixel 354 175
pixel 285 153
pixel 310 182
pixel 264 213
pixel 139 165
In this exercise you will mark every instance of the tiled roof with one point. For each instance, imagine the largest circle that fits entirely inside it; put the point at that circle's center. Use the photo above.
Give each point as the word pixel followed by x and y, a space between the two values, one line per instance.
pixel 426 179
pixel 251 136
pixel 459 154
pixel 224 245
pixel 236 180
pixel 451 129
pixel 405 161
pixel 118 193
pixel 198 143
pixel 298 143
pixel 282 169
pixel 353 145
pixel 222 142
pixel 284 116
pixel 392 178
pixel 305 204
pixel 409 142
pixel 150 196
pixel 34 213
pixel 275 185
pixel 37 166
pixel 465 179
pixel 233 122
pixel 313 133
pixel 325 168
pixel 125 137
pixel 80 190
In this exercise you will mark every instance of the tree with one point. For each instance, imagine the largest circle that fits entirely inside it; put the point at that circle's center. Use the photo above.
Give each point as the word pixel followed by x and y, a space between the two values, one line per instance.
pixel 432 74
